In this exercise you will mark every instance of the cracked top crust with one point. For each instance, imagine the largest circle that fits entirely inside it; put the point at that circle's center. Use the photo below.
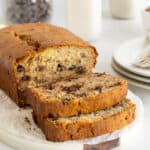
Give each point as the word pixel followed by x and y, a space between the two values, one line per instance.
pixel 18 41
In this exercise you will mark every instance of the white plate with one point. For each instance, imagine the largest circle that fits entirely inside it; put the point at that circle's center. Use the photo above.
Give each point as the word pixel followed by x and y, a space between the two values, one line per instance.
pixel 128 53
pixel 130 74
pixel 14 133
pixel 131 81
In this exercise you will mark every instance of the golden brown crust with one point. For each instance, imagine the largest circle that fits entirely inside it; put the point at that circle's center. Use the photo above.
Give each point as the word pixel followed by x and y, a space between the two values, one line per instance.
pixel 57 108
pixel 79 130
pixel 25 39
pixel 18 41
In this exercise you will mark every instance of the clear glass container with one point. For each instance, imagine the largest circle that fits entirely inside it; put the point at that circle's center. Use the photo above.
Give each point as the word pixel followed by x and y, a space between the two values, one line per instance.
pixel 24 11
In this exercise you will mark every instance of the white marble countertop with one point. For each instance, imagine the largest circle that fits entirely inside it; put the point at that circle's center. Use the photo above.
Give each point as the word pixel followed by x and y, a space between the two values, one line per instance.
pixel 114 32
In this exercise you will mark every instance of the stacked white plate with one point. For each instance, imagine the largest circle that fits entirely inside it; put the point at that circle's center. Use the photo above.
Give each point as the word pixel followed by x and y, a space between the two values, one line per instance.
pixel 132 61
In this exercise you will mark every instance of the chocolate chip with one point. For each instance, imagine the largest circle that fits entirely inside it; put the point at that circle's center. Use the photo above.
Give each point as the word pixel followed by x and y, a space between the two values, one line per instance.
pixel 79 113
pixel 72 88
pixel 60 67
pixel 80 70
pixel 20 68
pixel 39 68
pixel 98 89
pixel 37 45
pixel 72 67
pixel 50 116
pixel 54 118
pixel 50 87
pixel 26 78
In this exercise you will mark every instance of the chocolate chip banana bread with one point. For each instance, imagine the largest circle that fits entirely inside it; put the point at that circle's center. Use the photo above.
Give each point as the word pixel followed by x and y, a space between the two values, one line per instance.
pixel 88 125
pixel 37 53
pixel 82 95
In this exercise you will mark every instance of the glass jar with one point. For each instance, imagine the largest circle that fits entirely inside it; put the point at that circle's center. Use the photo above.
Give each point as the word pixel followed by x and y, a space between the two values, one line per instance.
pixel 24 11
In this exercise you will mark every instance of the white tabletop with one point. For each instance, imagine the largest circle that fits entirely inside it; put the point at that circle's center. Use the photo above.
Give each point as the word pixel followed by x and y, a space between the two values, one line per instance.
pixel 114 32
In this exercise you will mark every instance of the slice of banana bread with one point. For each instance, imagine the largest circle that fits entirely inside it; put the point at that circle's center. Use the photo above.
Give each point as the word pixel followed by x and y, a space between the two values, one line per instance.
pixel 89 125
pixel 82 95
pixel 37 53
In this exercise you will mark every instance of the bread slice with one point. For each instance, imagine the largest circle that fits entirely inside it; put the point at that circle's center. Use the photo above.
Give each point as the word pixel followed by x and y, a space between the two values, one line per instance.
pixel 82 95
pixel 88 125
pixel 37 53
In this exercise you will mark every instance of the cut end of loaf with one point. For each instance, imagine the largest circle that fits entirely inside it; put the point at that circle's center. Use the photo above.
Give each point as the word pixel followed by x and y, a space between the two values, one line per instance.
pixel 80 88
pixel 91 92
pixel 52 64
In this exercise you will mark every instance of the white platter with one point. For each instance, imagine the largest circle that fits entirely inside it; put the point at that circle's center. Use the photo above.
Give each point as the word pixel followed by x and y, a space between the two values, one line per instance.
pixel 130 80
pixel 129 52
pixel 14 132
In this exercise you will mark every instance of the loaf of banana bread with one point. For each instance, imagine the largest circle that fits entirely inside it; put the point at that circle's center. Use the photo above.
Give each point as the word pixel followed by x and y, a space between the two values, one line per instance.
pixel 37 53
pixel 82 95
pixel 88 125
pixel 50 69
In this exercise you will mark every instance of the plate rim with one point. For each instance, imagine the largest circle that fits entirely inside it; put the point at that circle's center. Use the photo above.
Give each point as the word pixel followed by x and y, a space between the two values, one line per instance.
pixel 115 53
pixel 131 81
pixel 130 74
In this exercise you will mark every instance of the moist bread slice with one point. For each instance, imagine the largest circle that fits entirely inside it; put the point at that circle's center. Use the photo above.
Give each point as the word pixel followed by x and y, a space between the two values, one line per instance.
pixel 37 53
pixel 88 125
pixel 82 95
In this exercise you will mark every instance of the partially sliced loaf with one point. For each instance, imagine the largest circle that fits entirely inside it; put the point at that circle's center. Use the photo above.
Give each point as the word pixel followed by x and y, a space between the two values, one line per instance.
pixel 82 95
pixel 89 125
pixel 37 53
